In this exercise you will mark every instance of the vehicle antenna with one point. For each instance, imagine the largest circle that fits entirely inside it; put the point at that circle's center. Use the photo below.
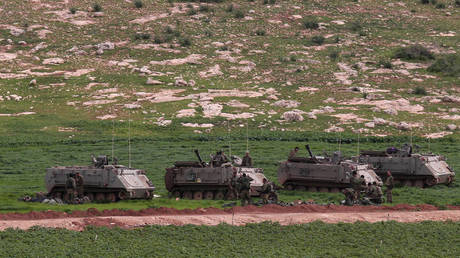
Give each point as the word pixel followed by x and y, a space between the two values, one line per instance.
pixel 113 134
pixel 129 139
pixel 411 137
pixel 247 136
pixel 340 140
pixel 228 136
pixel 357 154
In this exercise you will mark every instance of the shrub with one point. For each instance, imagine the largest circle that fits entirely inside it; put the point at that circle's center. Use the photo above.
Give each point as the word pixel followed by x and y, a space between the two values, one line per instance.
pixel 440 6
pixel 336 39
pixel 230 8
pixel 169 30
pixel 239 14
pixel 97 7
pixel 73 10
pixel 138 4
pixel 185 42
pixel 265 2
pixel 449 65
pixel 204 8
pixel 260 32
pixel 334 54
pixel 457 2
pixel 356 26
pixel 419 90
pixel 415 52
pixel 318 40
pixel 191 12
pixel 310 23
pixel 424 1
pixel 385 64
pixel 293 58
pixel 433 2
pixel 272 1
pixel 143 36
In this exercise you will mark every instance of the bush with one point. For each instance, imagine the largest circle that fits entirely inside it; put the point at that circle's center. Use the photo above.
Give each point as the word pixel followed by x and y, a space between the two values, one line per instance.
pixel 333 55
pixel 293 58
pixel 440 6
pixel 191 12
pixel 97 7
pixel 318 40
pixel 457 2
pixel 424 1
pixel 239 14
pixel 138 4
pixel 310 23
pixel 143 36
pixel 356 26
pixel 433 2
pixel 230 8
pixel 260 32
pixel 73 10
pixel 415 52
pixel 169 30
pixel 185 42
pixel 419 90
pixel 204 8
pixel 449 65
pixel 385 64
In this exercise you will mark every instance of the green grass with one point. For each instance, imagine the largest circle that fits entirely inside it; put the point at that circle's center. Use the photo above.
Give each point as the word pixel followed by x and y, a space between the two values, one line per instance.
pixel 23 163
pixel 317 239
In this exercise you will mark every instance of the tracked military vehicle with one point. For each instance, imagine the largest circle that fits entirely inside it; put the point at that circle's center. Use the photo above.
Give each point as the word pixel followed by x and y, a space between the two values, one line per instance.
pixel 200 180
pixel 409 169
pixel 102 182
pixel 322 174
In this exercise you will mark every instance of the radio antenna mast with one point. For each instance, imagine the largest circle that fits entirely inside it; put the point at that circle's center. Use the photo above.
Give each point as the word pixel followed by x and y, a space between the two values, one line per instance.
pixel 113 135
pixel 247 136
pixel 129 139
pixel 357 154
pixel 229 142
pixel 340 139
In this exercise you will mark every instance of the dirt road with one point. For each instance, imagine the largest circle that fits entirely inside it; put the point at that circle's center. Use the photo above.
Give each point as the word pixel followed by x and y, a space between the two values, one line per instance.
pixel 79 223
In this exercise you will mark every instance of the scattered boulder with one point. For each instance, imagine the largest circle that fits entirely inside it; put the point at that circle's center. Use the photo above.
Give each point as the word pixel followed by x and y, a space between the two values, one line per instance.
pixel 151 81
pixel 180 82
pixel 16 31
pixel 292 116
pixel 334 129
pixel 451 127
pixel 33 82
pixel 53 61
pixel 286 103
pixel 403 126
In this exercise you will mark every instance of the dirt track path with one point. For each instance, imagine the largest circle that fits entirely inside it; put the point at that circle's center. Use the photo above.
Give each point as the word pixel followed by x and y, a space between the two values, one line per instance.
pixel 236 219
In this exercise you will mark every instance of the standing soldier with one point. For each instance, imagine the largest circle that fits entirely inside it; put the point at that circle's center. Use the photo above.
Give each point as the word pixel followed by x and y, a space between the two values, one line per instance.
pixel 79 184
pixel 266 190
pixel 70 187
pixel 234 186
pixel 247 160
pixel 245 186
pixel 356 186
pixel 293 153
pixel 389 183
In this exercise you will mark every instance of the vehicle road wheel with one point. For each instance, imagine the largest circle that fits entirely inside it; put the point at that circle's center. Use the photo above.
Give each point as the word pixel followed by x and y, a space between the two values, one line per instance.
pixel 323 190
pixel 219 195
pixel 111 197
pixel 123 195
pixel 431 181
pixel 407 183
pixel 176 194
pixel 312 189
pixel 208 195
pixel 419 183
pixel 100 197
pixel 188 195
pixel 334 190
pixel 198 195
pixel 90 196
pixel 300 188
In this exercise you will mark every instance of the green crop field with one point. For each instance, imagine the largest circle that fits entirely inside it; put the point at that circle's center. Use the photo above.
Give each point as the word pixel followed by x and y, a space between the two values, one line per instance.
pixel 22 165
pixel 385 239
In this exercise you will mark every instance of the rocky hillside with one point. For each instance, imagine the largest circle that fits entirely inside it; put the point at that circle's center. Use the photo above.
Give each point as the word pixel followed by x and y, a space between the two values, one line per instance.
pixel 370 66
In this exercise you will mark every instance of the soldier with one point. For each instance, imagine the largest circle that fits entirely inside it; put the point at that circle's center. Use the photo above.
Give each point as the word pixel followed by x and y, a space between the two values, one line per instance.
pixel 266 191
pixel 389 183
pixel 234 186
pixel 79 184
pixel 349 196
pixel 293 153
pixel 219 159
pixel 356 186
pixel 70 187
pixel 375 193
pixel 245 186
pixel 247 160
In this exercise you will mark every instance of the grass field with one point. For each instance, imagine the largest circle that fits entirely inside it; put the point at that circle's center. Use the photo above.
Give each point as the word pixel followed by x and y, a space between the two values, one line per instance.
pixel 22 166
pixel 386 239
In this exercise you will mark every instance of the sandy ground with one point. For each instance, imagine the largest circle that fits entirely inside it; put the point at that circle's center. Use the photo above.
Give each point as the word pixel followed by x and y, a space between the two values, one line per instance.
pixel 235 219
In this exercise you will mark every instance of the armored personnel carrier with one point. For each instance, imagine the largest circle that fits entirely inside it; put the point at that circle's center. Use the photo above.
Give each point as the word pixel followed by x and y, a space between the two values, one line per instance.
pixel 200 180
pixel 321 173
pixel 101 181
pixel 409 169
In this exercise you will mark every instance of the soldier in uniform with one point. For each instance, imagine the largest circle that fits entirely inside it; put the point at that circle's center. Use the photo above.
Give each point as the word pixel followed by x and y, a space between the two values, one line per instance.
pixel 375 193
pixel 356 186
pixel 219 159
pixel 293 153
pixel 70 187
pixel 79 184
pixel 247 160
pixel 245 185
pixel 389 183
pixel 266 191
pixel 234 186
pixel 349 196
